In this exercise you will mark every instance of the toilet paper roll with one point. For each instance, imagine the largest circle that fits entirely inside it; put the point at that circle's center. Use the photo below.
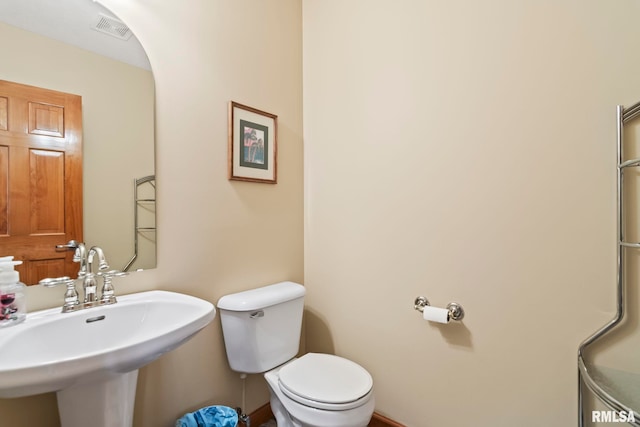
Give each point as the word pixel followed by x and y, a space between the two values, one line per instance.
pixel 435 314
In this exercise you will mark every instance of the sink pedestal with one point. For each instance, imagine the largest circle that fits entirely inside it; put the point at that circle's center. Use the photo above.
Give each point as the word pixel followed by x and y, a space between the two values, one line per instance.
pixel 104 402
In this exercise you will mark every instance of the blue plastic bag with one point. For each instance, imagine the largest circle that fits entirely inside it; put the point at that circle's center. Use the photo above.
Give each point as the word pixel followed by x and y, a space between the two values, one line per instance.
pixel 211 416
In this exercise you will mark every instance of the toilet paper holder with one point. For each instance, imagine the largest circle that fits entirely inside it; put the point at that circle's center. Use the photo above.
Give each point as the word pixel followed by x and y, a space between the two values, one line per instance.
pixel 456 312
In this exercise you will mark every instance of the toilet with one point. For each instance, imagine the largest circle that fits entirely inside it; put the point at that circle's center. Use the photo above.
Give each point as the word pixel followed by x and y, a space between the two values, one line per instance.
pixel 261 329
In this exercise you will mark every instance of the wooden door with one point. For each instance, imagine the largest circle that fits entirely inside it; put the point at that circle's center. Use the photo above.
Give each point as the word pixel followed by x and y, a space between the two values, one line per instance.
pixel 40 179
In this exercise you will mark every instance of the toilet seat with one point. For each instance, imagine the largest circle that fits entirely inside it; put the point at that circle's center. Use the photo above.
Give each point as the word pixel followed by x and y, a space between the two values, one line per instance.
pixel 325 381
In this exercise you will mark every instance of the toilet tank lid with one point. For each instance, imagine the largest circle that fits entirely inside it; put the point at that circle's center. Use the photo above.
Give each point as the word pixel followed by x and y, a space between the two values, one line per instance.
pixel 259 298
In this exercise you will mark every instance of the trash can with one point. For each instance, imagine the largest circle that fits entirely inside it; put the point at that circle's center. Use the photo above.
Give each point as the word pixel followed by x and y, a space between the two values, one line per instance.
pixel 210 416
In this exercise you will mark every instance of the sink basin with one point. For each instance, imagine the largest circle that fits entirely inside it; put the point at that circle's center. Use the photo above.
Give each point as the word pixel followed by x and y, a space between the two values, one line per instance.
pixel 95 352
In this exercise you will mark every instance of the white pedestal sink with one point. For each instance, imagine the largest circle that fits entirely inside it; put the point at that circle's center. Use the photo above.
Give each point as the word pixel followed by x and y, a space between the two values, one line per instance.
pixel 91 357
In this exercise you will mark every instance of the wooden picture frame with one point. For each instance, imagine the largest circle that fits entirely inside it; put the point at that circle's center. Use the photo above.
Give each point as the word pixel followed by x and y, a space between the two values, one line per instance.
pixel 253 144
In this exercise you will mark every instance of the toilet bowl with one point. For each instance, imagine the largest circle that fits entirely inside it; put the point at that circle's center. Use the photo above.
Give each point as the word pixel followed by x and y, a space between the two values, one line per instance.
pixel 321 390
pixel 261 329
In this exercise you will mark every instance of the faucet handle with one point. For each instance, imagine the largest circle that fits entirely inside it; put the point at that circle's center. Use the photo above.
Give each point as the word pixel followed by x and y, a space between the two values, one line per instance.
pixel 71 301
pixel 108 293
pixel 71 294
pixel 112 273
pixel 50 282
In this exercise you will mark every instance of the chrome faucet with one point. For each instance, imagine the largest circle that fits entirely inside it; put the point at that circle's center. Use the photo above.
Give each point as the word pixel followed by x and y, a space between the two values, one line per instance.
pixel 89 282
pixel 80 256
pixel 87 277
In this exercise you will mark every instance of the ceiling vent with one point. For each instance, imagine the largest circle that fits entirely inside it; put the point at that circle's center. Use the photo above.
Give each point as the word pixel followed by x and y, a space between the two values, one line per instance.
pixel 113 27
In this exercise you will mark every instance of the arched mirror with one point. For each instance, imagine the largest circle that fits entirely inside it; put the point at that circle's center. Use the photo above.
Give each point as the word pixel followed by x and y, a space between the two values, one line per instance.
pixel 79 47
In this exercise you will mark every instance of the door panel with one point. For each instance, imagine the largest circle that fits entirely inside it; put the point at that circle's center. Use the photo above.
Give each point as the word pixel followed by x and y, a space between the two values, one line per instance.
pixel 4 103
pixel 40 178
pixel 46 187
pixel 45 119
pixel 4 189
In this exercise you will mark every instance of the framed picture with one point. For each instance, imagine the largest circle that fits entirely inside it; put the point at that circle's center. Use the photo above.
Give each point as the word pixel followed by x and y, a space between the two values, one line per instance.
pixel 252 144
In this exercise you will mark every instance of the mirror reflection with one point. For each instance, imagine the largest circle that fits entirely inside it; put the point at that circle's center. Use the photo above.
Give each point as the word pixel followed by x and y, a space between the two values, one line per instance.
pixel 79 47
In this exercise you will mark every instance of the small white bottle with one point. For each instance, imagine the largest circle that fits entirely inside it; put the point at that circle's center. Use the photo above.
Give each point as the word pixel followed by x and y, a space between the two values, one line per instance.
pixel 13 302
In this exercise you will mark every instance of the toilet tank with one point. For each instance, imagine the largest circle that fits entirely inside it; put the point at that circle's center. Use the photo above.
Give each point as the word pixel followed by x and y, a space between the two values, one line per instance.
pixel 261 327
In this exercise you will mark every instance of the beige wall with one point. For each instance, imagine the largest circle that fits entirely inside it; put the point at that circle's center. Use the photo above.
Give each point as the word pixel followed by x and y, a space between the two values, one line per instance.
pixel 464 151
pixel 215 236
pixel 118 134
